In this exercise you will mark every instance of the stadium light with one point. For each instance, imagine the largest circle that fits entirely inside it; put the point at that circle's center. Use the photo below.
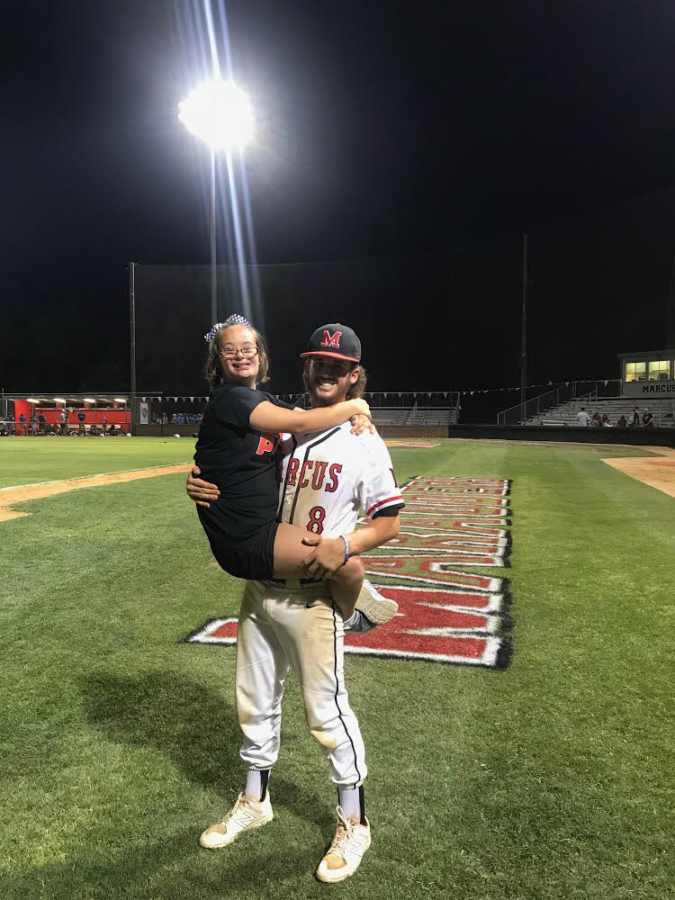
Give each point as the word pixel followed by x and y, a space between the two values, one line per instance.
pixel 88 400
pixel 59 400
pixel 219 113
pixel 120 399
pixel 31 400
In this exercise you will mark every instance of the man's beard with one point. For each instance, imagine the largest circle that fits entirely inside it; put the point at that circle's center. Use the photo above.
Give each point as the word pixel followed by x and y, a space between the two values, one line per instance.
pixel 320 401
pixel 317 400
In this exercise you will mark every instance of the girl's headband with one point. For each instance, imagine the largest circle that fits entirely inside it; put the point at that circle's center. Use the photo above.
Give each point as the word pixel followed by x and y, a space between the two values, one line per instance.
pixel 234 319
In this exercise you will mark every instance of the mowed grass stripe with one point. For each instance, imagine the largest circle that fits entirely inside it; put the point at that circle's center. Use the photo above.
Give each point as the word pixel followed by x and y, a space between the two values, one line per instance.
pixel 552 778
pixel 28 460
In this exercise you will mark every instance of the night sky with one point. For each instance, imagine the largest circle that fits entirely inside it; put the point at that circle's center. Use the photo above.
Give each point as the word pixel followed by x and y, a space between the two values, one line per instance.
pixel 405 145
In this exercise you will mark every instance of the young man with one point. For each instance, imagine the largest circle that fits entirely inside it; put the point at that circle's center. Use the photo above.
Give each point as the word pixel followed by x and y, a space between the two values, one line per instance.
pixel 327 478
pixel 583 418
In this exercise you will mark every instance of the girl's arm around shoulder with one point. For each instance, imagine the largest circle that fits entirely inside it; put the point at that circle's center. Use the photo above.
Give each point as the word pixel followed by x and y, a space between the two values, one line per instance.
pixel 268 417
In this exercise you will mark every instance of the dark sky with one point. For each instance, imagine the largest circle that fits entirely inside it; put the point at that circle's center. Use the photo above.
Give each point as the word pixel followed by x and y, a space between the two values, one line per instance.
pixel 386 130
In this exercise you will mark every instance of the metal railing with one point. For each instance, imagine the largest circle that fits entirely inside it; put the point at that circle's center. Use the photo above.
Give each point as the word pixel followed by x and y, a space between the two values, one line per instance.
pixel 519 413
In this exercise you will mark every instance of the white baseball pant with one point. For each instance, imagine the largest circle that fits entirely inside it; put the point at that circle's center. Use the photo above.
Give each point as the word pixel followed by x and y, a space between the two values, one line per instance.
pixel 280 628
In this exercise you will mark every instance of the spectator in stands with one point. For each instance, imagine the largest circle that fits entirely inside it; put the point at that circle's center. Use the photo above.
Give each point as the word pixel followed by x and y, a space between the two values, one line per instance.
pixel 647 419
pixel 635 422
pixel 623 422
pixel 582 417
pixel 43 422
pixel 81 418
pixel 596 421
pixel 105 422
pixel 605 421
pixel 22 423
pixel 64 421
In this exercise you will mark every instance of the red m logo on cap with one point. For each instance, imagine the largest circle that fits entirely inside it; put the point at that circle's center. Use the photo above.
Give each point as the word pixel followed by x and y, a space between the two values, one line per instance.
pixel 331 340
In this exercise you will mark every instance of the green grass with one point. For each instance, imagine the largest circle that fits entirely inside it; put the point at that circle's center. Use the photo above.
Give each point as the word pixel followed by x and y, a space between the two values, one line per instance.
pixel 118 745
pixel 27 460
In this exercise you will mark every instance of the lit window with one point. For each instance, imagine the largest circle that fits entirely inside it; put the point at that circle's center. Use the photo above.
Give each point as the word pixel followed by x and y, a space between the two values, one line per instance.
pixel 636 371
pixel 659 370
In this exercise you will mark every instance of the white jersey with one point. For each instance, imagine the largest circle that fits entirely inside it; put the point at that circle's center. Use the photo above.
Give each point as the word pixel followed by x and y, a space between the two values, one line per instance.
pixel 329 476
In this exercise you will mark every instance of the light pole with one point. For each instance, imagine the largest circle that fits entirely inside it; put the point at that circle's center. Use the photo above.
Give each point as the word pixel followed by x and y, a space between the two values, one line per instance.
pixel 219 113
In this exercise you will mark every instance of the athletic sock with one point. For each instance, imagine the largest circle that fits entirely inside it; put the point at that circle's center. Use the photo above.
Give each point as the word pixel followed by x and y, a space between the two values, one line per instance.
pixel 353 803
pixel 353 620
pixel 256 784
pixel 359 623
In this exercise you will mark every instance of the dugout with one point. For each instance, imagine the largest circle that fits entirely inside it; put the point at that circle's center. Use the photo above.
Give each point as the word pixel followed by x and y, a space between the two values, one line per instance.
pixel 44 410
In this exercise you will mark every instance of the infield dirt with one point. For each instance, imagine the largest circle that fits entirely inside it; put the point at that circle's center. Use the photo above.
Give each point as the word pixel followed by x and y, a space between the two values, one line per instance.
pixel 657 473
pixel 11 496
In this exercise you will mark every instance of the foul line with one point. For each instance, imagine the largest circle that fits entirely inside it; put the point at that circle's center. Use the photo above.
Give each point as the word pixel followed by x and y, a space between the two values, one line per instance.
pixel 11 496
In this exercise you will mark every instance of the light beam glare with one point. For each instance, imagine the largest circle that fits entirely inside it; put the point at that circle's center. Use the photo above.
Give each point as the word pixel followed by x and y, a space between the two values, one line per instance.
pixel 220 113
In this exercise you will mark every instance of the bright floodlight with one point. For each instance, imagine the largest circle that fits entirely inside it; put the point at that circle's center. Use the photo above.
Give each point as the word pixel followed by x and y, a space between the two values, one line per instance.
pixel 219 113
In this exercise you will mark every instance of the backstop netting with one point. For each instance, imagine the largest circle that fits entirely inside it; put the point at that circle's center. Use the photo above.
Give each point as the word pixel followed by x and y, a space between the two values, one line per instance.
pixel 412 314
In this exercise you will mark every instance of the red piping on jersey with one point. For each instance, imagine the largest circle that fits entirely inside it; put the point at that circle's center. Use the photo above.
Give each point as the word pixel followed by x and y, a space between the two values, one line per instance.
pixel 382 502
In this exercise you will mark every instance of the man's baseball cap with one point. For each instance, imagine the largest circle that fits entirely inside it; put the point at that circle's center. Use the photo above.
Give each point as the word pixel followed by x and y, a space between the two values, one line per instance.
pixel 336 340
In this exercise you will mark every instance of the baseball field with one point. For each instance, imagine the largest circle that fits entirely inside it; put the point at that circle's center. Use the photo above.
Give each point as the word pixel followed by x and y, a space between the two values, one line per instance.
pixel 549 776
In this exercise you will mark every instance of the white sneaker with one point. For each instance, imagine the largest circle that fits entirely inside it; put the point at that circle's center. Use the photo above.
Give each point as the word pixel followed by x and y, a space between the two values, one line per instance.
pixel 346 852
pixel 244 814
pixel 376 608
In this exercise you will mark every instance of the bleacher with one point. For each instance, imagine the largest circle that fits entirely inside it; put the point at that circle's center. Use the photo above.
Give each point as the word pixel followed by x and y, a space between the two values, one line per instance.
pixel 414 415
pixel 565 414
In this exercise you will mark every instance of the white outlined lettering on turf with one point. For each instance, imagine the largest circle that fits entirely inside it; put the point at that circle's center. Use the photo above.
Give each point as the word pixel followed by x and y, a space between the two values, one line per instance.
pixel 446 615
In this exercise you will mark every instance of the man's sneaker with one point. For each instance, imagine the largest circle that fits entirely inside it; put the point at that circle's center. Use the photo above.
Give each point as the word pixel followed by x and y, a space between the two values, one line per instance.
pixel 376 608
pixel 245 814
pixel 349 844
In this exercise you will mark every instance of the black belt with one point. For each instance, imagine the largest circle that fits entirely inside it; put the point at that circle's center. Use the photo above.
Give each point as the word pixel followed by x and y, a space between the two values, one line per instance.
pixel 301 580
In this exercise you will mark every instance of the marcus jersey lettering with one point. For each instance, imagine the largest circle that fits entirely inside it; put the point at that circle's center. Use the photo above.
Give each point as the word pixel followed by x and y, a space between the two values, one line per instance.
pixel 328 477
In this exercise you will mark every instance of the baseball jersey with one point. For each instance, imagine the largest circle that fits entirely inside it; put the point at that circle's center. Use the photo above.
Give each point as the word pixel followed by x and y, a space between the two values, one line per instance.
pixel 241 461
pixel 327 477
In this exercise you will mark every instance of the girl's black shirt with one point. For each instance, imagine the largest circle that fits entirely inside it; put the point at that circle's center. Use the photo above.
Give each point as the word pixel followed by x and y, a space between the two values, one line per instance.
pixel 241 461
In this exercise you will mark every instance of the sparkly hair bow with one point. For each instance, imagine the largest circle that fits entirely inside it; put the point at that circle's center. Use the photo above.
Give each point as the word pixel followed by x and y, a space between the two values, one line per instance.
pixel 234 319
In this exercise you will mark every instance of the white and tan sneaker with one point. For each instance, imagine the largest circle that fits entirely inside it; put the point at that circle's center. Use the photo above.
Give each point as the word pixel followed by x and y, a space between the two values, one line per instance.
pixel 245 814
pixel 376 608
pixel 346 852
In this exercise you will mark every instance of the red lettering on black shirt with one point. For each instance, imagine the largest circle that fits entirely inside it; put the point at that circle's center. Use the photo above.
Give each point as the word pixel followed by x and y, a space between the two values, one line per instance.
pixel 265 445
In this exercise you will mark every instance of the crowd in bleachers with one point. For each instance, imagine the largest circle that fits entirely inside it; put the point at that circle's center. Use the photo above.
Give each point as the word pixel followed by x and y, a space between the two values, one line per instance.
pixel 602 420
pixel 180 418
pixel 609 412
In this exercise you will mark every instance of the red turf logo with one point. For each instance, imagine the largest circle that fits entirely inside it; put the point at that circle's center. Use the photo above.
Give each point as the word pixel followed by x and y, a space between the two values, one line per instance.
pixel 438 625
pixel 445 615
